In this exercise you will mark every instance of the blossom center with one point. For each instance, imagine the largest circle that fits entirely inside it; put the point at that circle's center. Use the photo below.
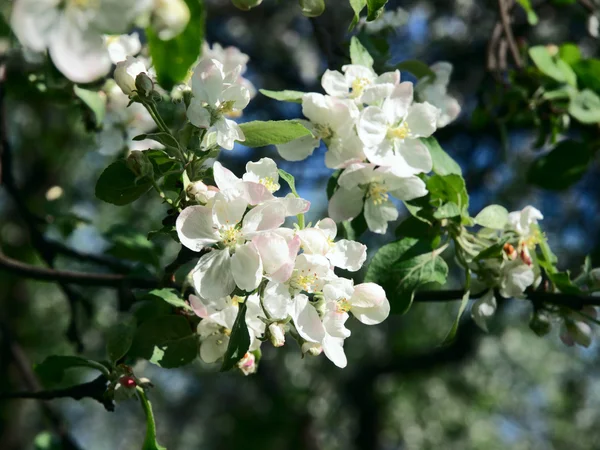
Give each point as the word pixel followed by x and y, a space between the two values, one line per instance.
pixel 343 305
pixel 269 183
pixel 378 193
pixel 358 86
pixel 323 131
pixel 230 236
pixel 399 132
pixel 303 281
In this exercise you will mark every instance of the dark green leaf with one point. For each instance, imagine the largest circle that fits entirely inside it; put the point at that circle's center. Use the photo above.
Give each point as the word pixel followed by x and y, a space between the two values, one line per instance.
pixel 375 8
pixel 239 340
pixel 332 183
pixel 562 281
pixel 564 165
pixel 588 73
pixel 164 138
pixel 118 185
pixel 172 59
pixel 162 162
pixel 53 368
pixel 415 228
pixel 443 164
pixel 402 267
pixel 128 244
pixel 166 341
pixel 260 134
pixel 493 251
pixel 417 68
pixel 119 339
pixel 284 96
pixel 359 54
pixel 170 296
pixel 449 188
pixel 354 229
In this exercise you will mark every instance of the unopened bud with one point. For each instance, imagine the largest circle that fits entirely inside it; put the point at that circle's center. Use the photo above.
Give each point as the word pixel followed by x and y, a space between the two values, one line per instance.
pixel 525 257
pixel 198 191
pixel 509 250
pixel 576 332
pixel 144 85
pixel 312 348
pixel 540 323
pixel 312 8
pixel 247 364
pixel 169 18
pixel 139 163
pixel 277 334
pixel 246 5
pixel 126 73
pixel 128 382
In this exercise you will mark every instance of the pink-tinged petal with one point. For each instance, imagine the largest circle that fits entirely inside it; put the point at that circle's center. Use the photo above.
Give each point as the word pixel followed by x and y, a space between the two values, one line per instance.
pixel 274 252
pixel 372 126
pixel 369 303
pixel 246 267
pixel 348 255
pixel 196 228
pixel 198 306
pixel 285 271
pixel 255 193
pixel 294 205
pixel 334 322
pixel 333 348
pixel 224 178
pixel 306 319
pixel 346 204
pixel 265 217
pixel 212 276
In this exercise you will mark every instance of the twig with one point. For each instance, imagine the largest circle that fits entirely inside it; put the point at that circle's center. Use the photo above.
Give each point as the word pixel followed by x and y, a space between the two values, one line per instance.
pixel 508 34
pixel 587 4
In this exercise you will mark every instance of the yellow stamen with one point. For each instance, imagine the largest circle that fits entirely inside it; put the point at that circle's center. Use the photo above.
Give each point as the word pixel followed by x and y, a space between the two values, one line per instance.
pixel 230 236
pixel 358 86
pixel 399 132
pixel 343 305
pixel 378 193
pixel 269 183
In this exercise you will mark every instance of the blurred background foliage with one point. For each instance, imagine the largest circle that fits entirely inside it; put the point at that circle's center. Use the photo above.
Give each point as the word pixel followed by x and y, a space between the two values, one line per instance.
pixel 401 390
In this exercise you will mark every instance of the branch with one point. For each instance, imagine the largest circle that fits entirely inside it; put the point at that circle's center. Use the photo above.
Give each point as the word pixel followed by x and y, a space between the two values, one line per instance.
pixel 587 4
pixel 512 44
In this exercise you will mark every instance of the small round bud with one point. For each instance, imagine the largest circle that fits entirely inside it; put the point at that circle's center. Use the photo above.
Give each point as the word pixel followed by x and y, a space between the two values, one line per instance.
pixel 128 382
pixel 246 5
pixel 144 85
pixel 312 348
pixel 248 364
pixel 140 164
pixel 198 191
pixel 552 49
pixel 276 334
pixel 126 73
pixel 540 323
pixel 312 8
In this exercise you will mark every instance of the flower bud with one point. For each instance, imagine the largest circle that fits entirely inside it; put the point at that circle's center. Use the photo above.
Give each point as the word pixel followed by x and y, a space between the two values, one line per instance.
pixel 169 18
pixel 247 364
pixel 144 85
pixel 198 191
pixel 540 323
pixel 312 8
pixel 126 73
pixel 139 163
pixel 124 388
pixel 246 5
pixel 277 334
pixel 312 348
pixel 576 332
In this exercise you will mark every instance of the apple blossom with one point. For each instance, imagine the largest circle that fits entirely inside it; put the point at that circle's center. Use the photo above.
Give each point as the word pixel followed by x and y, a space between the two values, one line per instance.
pixel 435 92
pixel 122 46
pixel 359 83
pixel 483 308
pixel 126 73
pixel 231 58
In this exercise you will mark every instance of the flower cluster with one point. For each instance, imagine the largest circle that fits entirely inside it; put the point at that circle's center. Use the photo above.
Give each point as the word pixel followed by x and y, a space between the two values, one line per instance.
pixel 372 129
pixel 286 276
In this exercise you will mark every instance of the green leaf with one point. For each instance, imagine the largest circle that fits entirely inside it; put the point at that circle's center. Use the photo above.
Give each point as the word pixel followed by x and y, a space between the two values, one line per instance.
pixel 417 68
pixel 166 341
pixel 585 107
pixel 463 305
pixel 443 164
pixel 588 73
pixel 569 53
pixel 172 297
pixel 119 339
pixel 239 340
pixel 357 7
pixel 95 101
pixel 554 68
pixel 128 244
pixel 447 211
pixel 260 134
pixel 532 17
pixel 53 368
pixel 118 185
pixel 403 266
pixel 564 165
pixel 162 163
pixel 449 188
pixel 172 59
pixel 164 138
pixel 359 54
pixel 375 8
pixel 290 180
pixel 284 96
pixel 493 251
pixel 413 227
pixel 562 280
pixel 493 216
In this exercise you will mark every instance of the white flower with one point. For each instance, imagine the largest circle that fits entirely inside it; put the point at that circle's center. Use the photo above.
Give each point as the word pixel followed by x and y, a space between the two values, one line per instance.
pixel 359 83
pixel 367 301
pixel 524 222
pixel 436 92
pixel 216 95
pixel 72 31
pixel 391 132
pixel 248 364
pixel 126 73
pixel 363 183
pixel 483 308
pixel 319 240
pixel 169 18
pixel 516 276
pixel 264 171
pixel 231 58
pixel 121 46
pixel 331 120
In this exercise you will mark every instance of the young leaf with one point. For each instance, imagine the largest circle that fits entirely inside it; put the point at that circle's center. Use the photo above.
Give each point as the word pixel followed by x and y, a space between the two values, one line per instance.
pixel 463 305
pixel 239 340
pixel 564 165
pixel 359 54
pixel 585 107
pixel 447 211
pixel 95 101
pixel 260 134
pixel 118 185
pixel 166 341
pixel 164 138
pixel 119 339
pixel 53 368
pixel 417 68
pixel 173 58
pixel 532 17
pixel 443 164
pixel 493 216
pixel 403 266
pixel 172 297
pixel 284 96
pixel 290 180
pixel 562 280
pixel 375 8
pixel 357 7
pixel 556 69
pixel 449 188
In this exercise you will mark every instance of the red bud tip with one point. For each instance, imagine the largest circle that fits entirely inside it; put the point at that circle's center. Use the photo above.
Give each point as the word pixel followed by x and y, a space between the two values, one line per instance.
pixel 127 382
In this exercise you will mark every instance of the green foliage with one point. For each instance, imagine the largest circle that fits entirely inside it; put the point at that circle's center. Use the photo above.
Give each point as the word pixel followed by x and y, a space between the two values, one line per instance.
pixel 167 341
pixel 290 180
pixel 449 189
pixel 239 340
pixel 443 164
pixel 552 66
pixel 357 7
pixel 118 185
pixel 417 68
pixel 284 96
pixel 375 8
pixel 171 297
pixel 312 8
pixel 532 17
pixel 95 101
pixel 403 266
pixel 173 58
pixel 171 144
pixel 359 54
pixel 585 107
pixel 52 369
pixel 461 309
pixel 492 216
pixel 562 281
pixel 119 339
pixel 128 244
pixel 260 134
pixel 564 165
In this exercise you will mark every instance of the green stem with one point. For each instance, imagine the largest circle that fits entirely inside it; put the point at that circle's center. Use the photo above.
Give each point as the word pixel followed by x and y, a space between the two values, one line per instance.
pixel 150 440
pixel 101 367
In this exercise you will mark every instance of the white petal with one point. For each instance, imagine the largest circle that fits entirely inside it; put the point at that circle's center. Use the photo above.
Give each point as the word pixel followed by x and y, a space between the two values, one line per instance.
pixel 410 188
pixel 238 94
pixel 195 227
pixel 383 154
pixel 273 250
pixel 328 226
pixel 316 108
pixel 264 168
pixel 228 212
pixel 33 22
pixel 212 275
pixel 378 215
pixel 285 271
pixel 207 81
pixel 346 204
pixel 224 178
pixel 372 126
pixel 228 132
pixel 397 105
pixel 294 205
pixel 277 299
pixel 376 92
pixel 198 115
pixel 198 306
pixel 356 174
pixel 267 216
pixel 213 348
pixel 334 350
pixel 348 255
pixel 306 319
pixel 343 150
pixel 338 289
pixel 483 308
pixel 246 267
pixel 334 84
pixel 416 154
pixel 334 323
pixel 314 241
pixel 370 304
pixel 421 119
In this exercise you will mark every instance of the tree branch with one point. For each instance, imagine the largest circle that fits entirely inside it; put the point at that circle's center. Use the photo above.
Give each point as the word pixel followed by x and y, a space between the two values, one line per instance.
pixel 504 9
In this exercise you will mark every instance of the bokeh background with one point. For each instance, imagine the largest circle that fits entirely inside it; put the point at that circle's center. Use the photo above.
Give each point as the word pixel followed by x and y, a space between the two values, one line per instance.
pixel 401 389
